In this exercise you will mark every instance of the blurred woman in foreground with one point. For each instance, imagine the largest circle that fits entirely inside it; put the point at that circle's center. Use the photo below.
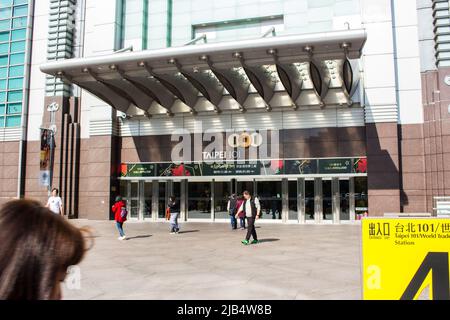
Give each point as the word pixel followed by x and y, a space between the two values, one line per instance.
pixel 36 248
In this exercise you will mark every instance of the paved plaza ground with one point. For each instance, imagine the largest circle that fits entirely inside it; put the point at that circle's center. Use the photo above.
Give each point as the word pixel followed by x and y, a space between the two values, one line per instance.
pixel 208 261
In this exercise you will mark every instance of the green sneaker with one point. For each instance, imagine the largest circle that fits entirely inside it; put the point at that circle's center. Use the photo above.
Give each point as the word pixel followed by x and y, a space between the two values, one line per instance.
pixel 245 242
pixel 255 241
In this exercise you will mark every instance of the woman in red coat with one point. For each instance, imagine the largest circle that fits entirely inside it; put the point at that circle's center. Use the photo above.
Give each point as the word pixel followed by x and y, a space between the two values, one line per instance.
pixel 120 215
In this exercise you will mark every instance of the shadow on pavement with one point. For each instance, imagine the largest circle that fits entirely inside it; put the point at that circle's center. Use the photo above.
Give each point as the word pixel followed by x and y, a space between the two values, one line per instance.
pixel 139 237
pixel 268 240
pixel 188 231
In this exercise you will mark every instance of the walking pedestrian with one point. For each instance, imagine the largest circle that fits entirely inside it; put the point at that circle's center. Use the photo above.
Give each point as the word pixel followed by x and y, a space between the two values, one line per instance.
pixel 54 203
pixel 36 250
pixel 174 209
pixel 120 215
pixel 252 209
pixel 232 210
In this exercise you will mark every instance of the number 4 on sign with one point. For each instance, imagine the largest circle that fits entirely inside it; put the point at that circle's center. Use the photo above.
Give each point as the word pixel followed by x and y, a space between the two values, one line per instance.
pixel 437 263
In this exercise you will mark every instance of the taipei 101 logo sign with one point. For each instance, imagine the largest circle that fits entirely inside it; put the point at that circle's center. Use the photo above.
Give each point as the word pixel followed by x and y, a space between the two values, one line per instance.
pixel 219 146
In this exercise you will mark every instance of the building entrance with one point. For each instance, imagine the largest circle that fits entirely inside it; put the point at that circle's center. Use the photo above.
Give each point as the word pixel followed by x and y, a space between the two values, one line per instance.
pixel 293 200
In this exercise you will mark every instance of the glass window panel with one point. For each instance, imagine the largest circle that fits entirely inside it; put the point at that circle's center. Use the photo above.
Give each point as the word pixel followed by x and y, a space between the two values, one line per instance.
pixel 2 96
pixel 4 36
pixel 13 121
pixel 2 122
pixel 19 34
pixel 16 2
pixel 3 72
pixel 15 83
pixel 4 48
pixel 18 46
pixel 15 96
pixel 5 25
pixel 14 108
pixel 2 109
pixel 16 71
pixel 5 13
pixel 3 60
pixel 17 58
pixel 20 11
pixel 5 3
pixel 20 22
pixel 3 84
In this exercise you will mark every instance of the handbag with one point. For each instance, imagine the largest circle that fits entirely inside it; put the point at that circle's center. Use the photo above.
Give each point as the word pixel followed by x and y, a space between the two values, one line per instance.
pixel 167 213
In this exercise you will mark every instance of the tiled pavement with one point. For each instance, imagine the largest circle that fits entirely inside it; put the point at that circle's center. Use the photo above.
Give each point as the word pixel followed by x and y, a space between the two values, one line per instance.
pixel 207 261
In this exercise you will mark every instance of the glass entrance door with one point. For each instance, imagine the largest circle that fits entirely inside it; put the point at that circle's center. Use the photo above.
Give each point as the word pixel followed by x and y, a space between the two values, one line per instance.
pixel 222 191
pixel 146 204
pixel 361 197
pixel 133 199
pixel 293 198
pixel 327 207
pixel 344 191
pixel 269 194
pixel 242 186
pixel 162 199
pixel 166 189
pixel 309 200
pixel 199 200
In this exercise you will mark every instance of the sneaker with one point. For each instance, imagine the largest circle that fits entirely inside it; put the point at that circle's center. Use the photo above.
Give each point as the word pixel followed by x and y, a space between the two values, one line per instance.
pixel 245 242
pixel 124 237
pixel 172 232
pixel 255 241
pixel 119 238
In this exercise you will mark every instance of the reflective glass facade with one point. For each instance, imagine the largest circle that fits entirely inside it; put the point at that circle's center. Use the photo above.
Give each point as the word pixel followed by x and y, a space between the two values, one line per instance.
pixel 13 31
pixel 154 24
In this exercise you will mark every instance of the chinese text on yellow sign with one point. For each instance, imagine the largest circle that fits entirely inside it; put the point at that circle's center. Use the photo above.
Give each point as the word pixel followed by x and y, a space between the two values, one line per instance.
pixel 402 257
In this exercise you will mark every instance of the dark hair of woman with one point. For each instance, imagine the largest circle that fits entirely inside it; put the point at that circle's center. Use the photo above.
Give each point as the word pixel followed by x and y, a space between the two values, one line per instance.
pixel 36 249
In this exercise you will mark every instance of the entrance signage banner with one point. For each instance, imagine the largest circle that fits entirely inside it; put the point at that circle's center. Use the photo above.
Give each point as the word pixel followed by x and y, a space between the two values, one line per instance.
pixel 335 166
pixel 405 259
pixel 306 166
pixel 247 168
pixel 138 170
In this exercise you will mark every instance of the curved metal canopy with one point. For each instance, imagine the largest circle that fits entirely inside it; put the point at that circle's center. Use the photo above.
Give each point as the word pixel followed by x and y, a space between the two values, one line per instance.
pixel 310 70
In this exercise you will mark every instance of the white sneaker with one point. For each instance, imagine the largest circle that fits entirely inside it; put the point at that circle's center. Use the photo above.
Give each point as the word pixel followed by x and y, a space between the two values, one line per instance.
pixel 119 238
pixel 124 237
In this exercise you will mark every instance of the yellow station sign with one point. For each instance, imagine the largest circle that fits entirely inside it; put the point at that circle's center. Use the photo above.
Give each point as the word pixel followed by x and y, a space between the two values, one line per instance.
pixel 401 257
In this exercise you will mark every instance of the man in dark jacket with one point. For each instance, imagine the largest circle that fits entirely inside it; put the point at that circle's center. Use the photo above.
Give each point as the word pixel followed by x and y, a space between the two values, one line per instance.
pixel 252 209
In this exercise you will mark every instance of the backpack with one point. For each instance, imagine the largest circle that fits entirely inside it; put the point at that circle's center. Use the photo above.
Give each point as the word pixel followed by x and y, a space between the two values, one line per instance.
pixel 233 209
pixel 123 212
